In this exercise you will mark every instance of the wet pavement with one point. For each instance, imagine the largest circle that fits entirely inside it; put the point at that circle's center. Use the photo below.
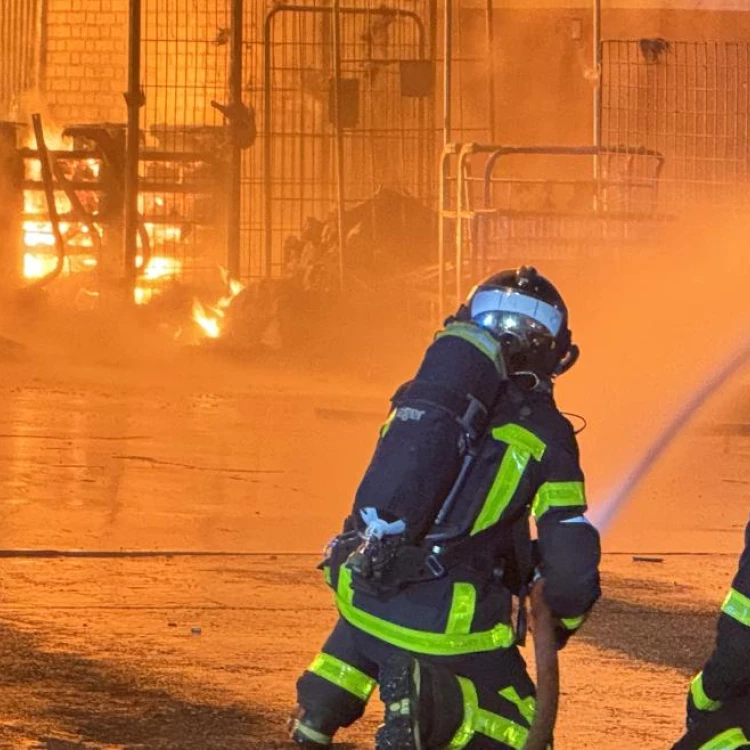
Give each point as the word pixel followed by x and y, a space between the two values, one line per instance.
pixel 149 599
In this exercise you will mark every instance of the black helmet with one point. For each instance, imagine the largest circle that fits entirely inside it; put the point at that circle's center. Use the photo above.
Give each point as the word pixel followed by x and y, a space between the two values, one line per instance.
pixel 525 312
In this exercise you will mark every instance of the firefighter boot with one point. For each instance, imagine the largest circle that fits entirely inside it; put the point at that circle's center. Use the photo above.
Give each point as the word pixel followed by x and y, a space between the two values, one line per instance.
pixel 400 686
pixel 307 731
pixel 423 705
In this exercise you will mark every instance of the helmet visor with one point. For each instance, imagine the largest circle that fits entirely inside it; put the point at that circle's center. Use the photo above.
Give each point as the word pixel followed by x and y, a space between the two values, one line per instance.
pixel 505 311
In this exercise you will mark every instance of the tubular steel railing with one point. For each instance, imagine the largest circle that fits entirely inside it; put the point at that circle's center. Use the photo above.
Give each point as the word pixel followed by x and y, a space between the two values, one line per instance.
pixel 485 219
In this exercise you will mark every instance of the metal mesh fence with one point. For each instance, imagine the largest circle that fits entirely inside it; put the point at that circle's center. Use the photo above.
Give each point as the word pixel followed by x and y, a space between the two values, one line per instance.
pixel 20 53
pixel 387 110
pixel 389 57
pixel 690 101
pixel 185 66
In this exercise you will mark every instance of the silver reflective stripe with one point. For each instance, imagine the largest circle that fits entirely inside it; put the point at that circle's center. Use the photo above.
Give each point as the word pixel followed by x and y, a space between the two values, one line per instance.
pixel 499 300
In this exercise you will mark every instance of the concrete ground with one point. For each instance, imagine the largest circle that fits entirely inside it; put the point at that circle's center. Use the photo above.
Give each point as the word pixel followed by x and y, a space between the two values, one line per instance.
pixel 161 515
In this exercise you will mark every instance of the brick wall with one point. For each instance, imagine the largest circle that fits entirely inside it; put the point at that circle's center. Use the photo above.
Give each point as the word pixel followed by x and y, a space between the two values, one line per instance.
pixel 86 60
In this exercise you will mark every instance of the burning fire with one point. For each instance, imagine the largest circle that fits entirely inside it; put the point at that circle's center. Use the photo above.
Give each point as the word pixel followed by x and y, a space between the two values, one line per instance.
pixel 84 237
pixel 37 266
pixel 158 269
pixel 210 318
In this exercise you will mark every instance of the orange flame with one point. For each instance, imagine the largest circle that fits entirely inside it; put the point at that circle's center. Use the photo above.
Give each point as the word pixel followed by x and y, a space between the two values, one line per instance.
pixel 210 318
pixel 158 269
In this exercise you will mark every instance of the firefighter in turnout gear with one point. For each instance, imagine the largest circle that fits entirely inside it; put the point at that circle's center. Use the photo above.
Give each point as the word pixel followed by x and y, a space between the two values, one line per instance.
pixel 438 543
pixel 718 711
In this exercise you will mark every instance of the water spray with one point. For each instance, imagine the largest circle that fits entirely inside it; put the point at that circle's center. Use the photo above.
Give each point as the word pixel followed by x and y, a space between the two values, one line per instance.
pixel 604 513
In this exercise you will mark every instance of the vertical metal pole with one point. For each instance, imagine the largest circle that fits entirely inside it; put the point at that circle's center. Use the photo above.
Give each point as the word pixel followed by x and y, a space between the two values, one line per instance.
pixel 447 72
pixel 597 103
pixel 444 176
pixel 234 175
pixel 11 209
pixel 489 19
pixel 268 140
pixel 459 224
pixel 132 149
pixel 340 192
pixel 43 44
pixel 442 189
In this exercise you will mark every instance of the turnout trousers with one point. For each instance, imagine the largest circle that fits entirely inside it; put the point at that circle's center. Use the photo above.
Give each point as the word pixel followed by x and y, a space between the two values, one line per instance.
pixel 727 729
pixel 478 701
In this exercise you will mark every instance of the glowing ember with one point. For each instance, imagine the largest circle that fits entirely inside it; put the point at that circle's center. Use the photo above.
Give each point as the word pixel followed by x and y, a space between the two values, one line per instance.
pixel 210 318
pixel 94 166
pixel 142 295
pixel 38 233
pixel 37 265
pixel 159 267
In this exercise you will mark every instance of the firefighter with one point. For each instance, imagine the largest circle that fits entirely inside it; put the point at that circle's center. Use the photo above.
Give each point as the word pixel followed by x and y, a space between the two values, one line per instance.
pixel 428 614
pixel 718 703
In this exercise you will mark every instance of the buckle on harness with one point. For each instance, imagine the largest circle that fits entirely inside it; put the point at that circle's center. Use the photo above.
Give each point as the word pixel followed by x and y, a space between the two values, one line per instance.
pixel 434 566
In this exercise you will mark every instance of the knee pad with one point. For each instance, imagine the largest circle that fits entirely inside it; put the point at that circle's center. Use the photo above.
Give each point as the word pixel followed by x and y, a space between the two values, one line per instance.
pixel 441 707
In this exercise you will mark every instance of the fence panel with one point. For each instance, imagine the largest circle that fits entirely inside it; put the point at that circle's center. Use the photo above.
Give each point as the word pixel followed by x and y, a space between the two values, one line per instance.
pixel 690 101
pixel 184 175
pixel 387 105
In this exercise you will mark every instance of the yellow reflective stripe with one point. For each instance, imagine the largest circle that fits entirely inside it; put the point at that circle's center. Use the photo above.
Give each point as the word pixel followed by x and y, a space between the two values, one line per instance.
pixel 503 488
pixel 557 495
pixel 419 641
pixel 522 445
pixel 462 608
pixel 737 606
pixel 572 623
pixel 485 722
pixel 387 424
pixel 342 674
pixel 729 740
pixel 501 729
pixel 521 438
pixel 526 706
pixel 478 337
pixel 471 708
pixel 327 574
pixel 700 699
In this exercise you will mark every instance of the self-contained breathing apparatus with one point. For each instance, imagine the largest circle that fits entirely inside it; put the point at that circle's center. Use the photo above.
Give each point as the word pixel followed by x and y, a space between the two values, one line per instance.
pixel 401 529
pixel 388 546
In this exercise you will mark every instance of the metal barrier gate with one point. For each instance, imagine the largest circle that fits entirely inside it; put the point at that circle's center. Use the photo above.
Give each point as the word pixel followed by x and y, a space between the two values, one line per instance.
pixel 185 154
pixel 318 153
pixel 690 101
pixel 492 215
pixel 322 152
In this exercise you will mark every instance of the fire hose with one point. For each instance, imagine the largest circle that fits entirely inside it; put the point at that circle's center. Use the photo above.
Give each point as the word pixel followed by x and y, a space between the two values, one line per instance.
pixel 547 672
